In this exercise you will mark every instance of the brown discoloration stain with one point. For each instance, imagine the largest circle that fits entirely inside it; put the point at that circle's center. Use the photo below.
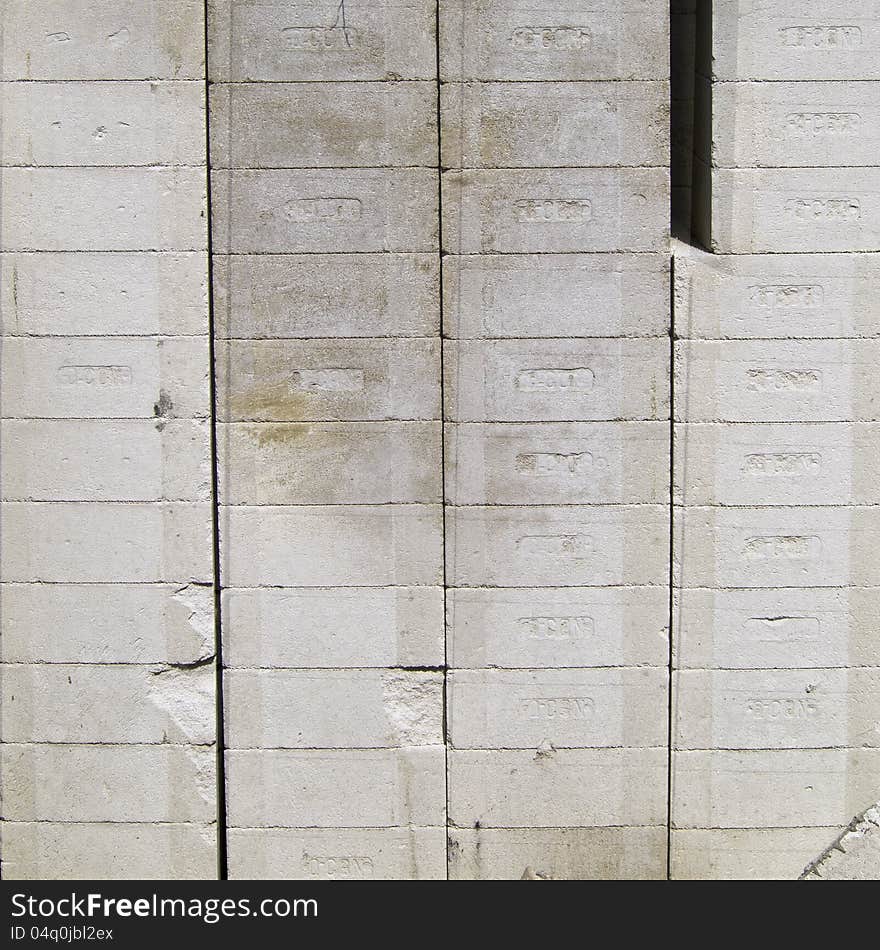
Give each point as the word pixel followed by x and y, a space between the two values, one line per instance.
pixel 279 433
pixel 272 401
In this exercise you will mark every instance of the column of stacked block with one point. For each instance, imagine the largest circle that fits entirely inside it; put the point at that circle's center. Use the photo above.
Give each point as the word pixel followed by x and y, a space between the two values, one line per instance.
pixel 325 192
pixel 776 450
pixel 555 198
pixel 108 728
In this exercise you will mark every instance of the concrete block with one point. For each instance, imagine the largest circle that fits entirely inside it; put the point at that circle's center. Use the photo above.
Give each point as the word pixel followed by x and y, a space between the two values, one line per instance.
pixel 777 709
pixel 797 628
pixel 787 210
pixel 788 381
pixel 794 788
pixel 338 854
pixel 761 296
pixel 580 709
pixel 554 788
pixel 54 702
pixel 333 627
pixel 559 210
pixel 777 464
pixel 557 854
pixel 552 124
pixel 330 463
pixel 320 125
pixel 103 39
pixel 793 124
pixel 350 788
pixel 573 546
pixel 333 709
pixel 314 40
pixel 105 378
pixel 597 295
pixel 92 542
pixel 325 210
pixel 745 854
pixel 107 623
pixel 327 295
pixel 103 123
pixel 576 463
pixel 776 547
pixel 557 627
pixel 97 460
pixel 328 380
pixel 51 294
pixel 41 851
pixel 104 209
pixel 556 380
pixel 511 39
pixel 854 856
pixel 820 39
pixel 108 783
pixel 313 546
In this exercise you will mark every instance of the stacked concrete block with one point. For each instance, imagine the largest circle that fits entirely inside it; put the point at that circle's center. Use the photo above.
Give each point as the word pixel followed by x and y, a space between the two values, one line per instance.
pixel 777 596
pixel 555 196
pixel 326 281
pixel 108 718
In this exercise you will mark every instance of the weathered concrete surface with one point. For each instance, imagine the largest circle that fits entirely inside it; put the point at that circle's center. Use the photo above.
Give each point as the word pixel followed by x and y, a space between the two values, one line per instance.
pixel 854 856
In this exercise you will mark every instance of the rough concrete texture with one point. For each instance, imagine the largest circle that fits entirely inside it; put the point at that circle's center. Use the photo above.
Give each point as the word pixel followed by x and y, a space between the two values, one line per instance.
pixel 495 478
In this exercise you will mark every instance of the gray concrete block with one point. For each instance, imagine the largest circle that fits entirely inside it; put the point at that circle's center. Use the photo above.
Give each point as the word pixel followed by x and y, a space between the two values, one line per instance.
pixel 555 210
pixel 750 854
pixel 107 39
pixel 41 851
pixel 320 125
pixel 330 463
pixel 339 627
pixel 349 788
pixel 854 856
pixel 794 788
pixel 776 547
pixel 96 542
pixel 787 381
pixel 788 210
pixel 54 702
pixel 556 627
pixel 573 546
pixel 105 378
pixel 321 211
pixel 821 39
pixel 757 296
pixel 88 294
pixel 104 623
pixel 327 295
pixel 579 709
pixel 777 464
pixel 104 209
pixel 328 380
pixel 554 788
pixel 310 41
pixel 510 39
pixel 793 124
pixel 552 124
pixel 556 380
pixel 100 460
pixel 777 709
pixel 333 709
pixel 105 123
pixel 327 546
pixel 806 628
pixel 596 295
pixel 108 783
pixel 338 854
pixel 577 463
pixel 557 854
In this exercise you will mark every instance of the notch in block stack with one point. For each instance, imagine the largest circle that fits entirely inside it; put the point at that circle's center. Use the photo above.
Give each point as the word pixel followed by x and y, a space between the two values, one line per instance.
pixel 777 683
pixel 555 198
pixel 326 266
